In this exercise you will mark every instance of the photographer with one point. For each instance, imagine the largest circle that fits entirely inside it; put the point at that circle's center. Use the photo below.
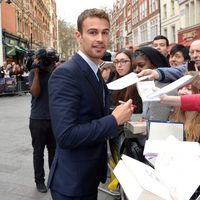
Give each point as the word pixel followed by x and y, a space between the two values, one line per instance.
pixel 40 123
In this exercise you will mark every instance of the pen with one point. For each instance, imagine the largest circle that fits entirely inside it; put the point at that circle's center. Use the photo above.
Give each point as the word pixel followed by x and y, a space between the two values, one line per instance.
pixel 122 102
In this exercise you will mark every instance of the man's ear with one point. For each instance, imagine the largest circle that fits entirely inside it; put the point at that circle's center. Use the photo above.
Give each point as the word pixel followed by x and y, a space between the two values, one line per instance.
pixel 77 35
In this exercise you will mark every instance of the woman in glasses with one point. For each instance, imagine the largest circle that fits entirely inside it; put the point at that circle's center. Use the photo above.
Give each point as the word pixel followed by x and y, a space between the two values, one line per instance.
pixel 123 66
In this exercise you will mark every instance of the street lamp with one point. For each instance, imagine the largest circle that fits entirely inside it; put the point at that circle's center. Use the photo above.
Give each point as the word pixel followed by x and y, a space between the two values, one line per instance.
pixel 1 44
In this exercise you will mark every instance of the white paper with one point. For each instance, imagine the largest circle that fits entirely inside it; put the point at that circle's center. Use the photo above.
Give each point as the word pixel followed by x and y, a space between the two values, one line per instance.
pixel 178 164
pixel 145 88
pixel 125 81
pixel 140 181
pixel 175 174
pixel 128 182
pixel 176 84
pixel 162 130
pixel 152 148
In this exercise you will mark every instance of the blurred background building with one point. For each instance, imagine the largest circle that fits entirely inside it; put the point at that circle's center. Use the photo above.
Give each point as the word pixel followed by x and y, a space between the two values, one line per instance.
pixel 28 24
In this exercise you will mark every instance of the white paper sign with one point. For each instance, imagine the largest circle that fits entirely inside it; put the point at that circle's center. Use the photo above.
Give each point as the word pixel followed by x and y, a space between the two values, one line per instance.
pixel 146 88
pixel 125 81
pixel 174 177
pixel 176 84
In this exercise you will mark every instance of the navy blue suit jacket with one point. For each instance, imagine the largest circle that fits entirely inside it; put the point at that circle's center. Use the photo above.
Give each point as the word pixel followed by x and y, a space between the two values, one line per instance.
pixel 81 126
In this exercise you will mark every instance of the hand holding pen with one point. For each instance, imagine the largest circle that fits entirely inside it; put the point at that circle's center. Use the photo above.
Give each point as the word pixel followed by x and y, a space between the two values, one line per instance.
pixel 123 112
pixel 122 102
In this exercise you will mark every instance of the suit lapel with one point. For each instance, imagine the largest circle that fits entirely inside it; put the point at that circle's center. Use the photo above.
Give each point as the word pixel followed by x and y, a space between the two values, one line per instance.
pixel 91 77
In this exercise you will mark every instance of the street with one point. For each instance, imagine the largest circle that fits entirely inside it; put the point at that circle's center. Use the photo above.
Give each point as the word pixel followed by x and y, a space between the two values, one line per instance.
pixel 16 168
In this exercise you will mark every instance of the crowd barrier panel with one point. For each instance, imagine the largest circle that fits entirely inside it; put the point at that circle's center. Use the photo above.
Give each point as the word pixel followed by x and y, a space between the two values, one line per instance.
pixel 13 85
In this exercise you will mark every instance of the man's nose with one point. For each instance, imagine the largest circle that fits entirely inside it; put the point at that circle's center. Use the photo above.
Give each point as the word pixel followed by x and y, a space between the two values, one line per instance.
pixel 100 37
pixel 195 54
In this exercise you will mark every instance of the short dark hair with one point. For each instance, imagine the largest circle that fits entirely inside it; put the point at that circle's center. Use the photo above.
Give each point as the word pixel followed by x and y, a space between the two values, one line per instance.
pixel 161 37
pixel 107 56
pixel 180 48
pixel 93 12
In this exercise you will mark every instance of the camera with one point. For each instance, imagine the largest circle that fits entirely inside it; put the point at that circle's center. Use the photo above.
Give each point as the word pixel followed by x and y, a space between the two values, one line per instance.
pixel 28 59
pixel 46 57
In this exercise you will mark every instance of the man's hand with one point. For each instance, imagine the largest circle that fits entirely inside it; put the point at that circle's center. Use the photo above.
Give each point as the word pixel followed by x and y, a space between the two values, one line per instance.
pixel 35 65
pixel 123 112
pixel 152 74
pixel 196 81
pixel 36 70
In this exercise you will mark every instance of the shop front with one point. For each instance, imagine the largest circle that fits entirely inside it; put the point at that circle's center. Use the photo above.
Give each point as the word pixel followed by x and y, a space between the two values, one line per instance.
pixel 15 48
pixel 188 35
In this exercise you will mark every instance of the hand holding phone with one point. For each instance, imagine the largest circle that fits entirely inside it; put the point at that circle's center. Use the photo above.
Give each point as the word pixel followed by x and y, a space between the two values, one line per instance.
pixel 191 65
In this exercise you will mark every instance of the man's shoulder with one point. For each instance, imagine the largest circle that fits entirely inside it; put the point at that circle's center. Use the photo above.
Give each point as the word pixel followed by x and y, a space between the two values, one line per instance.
pixel 72 65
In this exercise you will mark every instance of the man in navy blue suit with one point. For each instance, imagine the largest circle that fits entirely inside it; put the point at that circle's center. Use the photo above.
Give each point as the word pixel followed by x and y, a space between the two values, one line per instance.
pixel 81 118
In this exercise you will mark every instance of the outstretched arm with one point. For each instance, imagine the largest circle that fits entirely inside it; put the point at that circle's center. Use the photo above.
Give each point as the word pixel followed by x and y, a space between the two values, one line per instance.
pixel 168 74
pixel 170 100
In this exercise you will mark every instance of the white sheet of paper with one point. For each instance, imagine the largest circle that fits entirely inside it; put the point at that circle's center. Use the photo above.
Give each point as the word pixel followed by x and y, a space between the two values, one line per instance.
pixel 176 173
pixel 178 164
pixel 125 81
pixel 152 147
pixel 127 182
pixel 145 88
pixel 161 130
pixel 176 84
pixel 139 180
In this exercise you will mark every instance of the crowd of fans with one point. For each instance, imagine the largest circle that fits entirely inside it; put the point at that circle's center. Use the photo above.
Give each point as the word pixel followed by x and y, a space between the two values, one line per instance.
pixel 13 78
pixel 12 70
pixel 154 61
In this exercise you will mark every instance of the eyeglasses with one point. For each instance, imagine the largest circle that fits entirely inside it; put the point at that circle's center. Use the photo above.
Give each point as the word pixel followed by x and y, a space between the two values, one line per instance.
pixel 122 62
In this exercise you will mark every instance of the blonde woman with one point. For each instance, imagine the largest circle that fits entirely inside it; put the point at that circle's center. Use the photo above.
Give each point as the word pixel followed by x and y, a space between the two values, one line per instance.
pixel 190 119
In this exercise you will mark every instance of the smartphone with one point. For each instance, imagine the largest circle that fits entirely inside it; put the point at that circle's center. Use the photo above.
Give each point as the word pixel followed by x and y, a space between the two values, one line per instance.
pixel 191 65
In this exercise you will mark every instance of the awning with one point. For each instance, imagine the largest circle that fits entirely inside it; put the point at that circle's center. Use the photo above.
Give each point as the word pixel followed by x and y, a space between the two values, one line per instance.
pixel 11 49
pixel 23 45
pixel 186 43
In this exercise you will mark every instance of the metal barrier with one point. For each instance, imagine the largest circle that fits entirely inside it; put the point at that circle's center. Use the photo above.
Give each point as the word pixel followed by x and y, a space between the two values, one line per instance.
pixel 14 85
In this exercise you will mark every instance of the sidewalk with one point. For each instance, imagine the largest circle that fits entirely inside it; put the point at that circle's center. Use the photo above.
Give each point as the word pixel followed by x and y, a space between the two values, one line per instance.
pixel 16 168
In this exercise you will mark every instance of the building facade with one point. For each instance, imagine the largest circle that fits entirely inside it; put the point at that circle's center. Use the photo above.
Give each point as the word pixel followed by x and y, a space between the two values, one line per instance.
pixel 170 19
pixel 189 21
pixel 137 22
pixel 134 23
pixel 27 24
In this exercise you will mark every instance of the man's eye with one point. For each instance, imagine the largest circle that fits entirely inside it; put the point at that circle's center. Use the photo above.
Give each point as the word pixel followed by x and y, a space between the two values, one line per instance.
pixel 105 33
pixel 92 32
